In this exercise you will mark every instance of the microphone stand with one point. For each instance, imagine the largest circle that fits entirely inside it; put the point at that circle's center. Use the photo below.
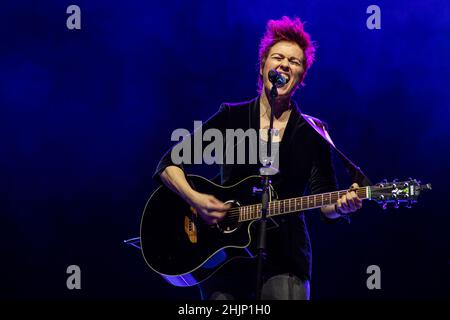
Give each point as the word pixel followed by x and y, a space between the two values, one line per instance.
pixel 265 171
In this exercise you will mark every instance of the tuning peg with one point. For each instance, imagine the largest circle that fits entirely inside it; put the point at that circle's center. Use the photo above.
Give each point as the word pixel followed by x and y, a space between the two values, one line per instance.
pixel 409 204
pixel 384 206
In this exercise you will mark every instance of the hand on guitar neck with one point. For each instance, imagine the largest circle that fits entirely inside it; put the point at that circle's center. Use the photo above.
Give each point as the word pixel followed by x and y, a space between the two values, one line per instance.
pixel 345 205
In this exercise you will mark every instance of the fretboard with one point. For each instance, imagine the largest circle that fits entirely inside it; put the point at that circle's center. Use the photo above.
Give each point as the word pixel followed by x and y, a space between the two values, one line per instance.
pixel 280 207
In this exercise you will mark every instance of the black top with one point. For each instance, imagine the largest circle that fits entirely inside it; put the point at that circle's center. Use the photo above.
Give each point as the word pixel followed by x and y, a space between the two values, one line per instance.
pixel 305 161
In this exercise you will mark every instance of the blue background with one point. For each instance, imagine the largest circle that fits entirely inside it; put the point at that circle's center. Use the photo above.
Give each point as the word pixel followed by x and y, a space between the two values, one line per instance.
pixel 86 114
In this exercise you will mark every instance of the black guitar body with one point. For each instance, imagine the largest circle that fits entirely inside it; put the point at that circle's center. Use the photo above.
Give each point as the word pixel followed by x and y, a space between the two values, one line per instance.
pixel 178 245
pixel 181 247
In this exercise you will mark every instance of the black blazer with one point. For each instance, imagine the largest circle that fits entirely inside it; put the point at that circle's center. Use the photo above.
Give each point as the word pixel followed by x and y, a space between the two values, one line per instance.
pixel 305 163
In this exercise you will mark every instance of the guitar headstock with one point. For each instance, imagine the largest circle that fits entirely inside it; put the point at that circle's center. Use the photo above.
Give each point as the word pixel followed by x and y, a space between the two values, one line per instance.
pixel 397 192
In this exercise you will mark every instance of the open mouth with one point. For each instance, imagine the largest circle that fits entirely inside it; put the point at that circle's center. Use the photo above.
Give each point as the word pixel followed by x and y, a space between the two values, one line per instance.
pixel 286 77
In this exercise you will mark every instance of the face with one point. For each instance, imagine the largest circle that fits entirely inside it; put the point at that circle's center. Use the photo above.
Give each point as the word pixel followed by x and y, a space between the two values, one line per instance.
pixel 287 58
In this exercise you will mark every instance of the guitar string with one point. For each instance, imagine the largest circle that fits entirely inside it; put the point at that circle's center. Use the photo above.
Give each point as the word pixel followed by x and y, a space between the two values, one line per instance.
pixel 274 203
pixel 234 212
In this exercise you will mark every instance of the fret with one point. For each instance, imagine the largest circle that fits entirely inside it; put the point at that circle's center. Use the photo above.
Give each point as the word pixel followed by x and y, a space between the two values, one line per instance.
pixel 311 202
pixel 278 207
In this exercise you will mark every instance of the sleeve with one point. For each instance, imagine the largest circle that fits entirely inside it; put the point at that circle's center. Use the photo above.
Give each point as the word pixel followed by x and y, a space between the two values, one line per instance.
pixel 218 121
pixel 323 176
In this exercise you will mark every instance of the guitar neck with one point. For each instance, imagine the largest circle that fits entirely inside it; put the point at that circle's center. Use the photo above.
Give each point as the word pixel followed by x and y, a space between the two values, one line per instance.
pixel 280 207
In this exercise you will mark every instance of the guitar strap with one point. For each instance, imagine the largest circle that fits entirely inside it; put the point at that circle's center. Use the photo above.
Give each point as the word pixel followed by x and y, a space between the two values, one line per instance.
pixel 353 170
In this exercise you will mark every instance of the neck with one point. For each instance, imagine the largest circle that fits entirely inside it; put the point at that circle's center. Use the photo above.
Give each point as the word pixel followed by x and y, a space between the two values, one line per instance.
pixel 281 103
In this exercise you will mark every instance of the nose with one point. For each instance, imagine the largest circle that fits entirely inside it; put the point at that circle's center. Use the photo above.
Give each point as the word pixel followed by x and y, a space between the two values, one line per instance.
pixel 284 65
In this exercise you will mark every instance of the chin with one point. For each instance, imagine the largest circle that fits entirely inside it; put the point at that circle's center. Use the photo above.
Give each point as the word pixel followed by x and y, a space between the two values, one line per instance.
pixel 282 92
pixel 285 92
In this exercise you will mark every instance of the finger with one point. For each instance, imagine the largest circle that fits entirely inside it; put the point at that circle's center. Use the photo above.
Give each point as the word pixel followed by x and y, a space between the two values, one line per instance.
pixel 344 202
pixel 339 205
pixel 343 207
pixel 354 186
pixel 219 205
pixel 356 200
pixel 351 203
pixel 218 216
pixel 358 203
pixel 355 196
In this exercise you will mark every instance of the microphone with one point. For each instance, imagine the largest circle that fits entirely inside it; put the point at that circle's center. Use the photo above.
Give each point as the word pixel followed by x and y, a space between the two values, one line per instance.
pixel 276 78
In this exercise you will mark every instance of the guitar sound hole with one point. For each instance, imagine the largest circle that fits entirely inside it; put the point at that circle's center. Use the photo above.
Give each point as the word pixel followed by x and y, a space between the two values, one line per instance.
pixel 231 221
